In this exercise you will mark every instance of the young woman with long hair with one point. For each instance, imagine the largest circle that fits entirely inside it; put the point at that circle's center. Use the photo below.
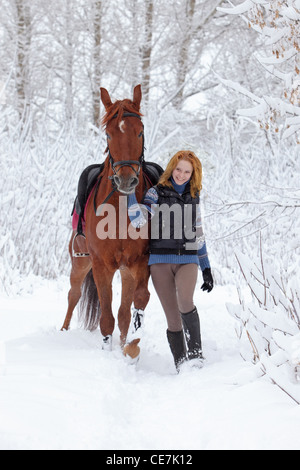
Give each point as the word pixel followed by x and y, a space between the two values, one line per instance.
pixel 177 249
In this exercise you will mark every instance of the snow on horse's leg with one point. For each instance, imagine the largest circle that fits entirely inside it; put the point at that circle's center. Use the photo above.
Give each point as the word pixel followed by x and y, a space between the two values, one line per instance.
pixel 136 327
pixel 107 343
pixel 135 332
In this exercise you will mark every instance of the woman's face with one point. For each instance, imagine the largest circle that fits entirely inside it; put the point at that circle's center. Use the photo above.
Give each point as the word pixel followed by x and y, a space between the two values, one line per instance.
pixel 182 172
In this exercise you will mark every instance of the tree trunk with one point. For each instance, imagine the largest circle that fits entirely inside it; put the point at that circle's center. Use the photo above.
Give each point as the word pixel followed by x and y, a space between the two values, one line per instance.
pixel 97 62
pixel 23 55
pixel 183 56
pixel 147 50
pixel 69 64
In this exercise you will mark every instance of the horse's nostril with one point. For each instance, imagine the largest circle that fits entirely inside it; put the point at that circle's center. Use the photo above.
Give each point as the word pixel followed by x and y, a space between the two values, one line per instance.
pixel 134 182
pixel 117 180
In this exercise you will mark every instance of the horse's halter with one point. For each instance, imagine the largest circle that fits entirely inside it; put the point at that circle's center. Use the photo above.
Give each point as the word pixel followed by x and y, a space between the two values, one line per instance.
pixel 129 163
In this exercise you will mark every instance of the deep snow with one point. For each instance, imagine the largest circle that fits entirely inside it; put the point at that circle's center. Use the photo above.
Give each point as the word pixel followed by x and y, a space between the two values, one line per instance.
pixel 59 390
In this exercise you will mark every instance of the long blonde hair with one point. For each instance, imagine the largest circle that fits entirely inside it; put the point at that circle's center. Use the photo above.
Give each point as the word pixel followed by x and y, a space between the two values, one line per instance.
pixel 196 178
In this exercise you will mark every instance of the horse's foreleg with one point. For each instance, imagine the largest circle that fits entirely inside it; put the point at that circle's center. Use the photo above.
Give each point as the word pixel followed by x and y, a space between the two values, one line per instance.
pixel 140 273
pixel 103 278
pixel 142 294
pixel 140 300
pixel 124 315
pixel 80 268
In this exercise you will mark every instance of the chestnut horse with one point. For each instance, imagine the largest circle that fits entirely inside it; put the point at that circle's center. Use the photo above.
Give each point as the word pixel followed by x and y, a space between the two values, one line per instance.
pixel 92 275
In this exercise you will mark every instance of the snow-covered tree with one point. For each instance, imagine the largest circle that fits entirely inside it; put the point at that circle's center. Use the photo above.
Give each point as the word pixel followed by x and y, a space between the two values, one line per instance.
pixel 277 22
pixel 96 76
pixel 23 23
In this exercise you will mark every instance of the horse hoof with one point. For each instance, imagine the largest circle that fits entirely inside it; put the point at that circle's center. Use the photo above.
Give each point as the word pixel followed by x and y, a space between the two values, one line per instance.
pixel 107 343
pixel 132 351
pixel 131 361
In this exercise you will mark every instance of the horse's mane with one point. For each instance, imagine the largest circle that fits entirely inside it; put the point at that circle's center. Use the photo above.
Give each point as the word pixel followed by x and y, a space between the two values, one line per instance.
pixel 119 108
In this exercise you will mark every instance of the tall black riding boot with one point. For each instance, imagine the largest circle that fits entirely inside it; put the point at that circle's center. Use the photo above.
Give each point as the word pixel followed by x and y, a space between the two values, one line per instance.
pixel 191 326
pixel 177 346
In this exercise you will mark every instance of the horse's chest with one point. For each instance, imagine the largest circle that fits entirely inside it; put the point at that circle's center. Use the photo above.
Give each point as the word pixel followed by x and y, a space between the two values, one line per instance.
pixel 126 256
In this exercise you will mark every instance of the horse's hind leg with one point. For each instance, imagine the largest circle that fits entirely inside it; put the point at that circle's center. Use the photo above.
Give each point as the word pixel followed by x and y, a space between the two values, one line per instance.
pixel 80 268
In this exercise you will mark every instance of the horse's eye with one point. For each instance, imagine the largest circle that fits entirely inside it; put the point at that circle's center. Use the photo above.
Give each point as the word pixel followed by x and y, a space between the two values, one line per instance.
pixel 141 133
pixel 108 136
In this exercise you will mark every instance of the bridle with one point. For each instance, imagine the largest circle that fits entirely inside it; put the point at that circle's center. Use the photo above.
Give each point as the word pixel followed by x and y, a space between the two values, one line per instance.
pixel 129 163
pixel 116 166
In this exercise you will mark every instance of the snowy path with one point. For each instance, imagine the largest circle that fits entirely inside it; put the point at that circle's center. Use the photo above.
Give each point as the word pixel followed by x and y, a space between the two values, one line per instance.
pixel 58 390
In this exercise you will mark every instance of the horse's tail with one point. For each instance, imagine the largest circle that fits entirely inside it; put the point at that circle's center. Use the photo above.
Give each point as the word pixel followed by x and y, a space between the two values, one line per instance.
pixel 89 307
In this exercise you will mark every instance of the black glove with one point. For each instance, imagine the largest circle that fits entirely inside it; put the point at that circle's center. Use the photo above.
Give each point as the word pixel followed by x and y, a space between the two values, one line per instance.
pixel 208 280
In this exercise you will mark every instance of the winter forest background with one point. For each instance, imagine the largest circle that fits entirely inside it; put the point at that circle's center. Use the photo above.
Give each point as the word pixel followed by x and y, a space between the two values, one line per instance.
pixel 219 77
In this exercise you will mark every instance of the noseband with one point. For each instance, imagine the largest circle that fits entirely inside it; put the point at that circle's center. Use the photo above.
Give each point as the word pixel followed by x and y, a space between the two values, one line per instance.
pixel 114 165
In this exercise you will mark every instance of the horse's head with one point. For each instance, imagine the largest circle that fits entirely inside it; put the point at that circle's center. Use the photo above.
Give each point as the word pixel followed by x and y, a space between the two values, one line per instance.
pixel 125 139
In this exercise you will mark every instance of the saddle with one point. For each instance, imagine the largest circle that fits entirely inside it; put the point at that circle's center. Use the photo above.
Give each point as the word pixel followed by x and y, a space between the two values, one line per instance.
pixel 153 172
pixel 91 176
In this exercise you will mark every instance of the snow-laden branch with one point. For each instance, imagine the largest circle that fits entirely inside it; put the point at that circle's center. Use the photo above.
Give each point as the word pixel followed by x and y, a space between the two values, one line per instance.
pixel 239 88
pixel 240 9
pixel 248 216
pixel 277 22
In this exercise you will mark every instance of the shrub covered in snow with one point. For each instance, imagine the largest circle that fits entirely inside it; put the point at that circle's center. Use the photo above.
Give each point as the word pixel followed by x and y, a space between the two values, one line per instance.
pixel 36 197
pixel 270 324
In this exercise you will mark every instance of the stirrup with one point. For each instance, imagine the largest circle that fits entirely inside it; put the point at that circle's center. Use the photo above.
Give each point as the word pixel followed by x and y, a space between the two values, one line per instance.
pixel 77 254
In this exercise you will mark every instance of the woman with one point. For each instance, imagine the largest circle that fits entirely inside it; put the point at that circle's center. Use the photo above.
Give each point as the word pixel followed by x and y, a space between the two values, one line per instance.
pixel 177 248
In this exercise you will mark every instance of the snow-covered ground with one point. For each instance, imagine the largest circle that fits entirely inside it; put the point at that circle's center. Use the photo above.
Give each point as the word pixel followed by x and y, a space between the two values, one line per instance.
pixel 59 390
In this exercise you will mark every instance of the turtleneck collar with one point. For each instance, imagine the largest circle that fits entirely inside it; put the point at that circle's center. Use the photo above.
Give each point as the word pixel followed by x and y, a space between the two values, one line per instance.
pixel 179 187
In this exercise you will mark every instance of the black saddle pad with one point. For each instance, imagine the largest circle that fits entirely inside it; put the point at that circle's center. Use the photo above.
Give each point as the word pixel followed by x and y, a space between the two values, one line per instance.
pixel 153 171
pixel 87 181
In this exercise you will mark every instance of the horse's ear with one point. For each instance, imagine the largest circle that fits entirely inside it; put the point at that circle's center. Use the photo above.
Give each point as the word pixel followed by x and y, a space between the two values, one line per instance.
pixel 105 98
pixel 137 97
